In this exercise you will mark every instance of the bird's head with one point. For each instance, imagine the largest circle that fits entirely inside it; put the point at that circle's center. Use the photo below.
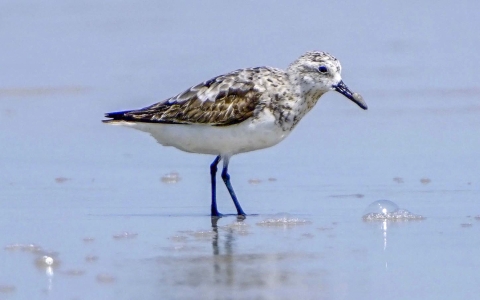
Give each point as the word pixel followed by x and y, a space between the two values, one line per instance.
pixel 318 71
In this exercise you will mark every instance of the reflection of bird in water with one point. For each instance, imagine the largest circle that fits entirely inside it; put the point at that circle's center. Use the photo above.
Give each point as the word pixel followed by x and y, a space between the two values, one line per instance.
pixel 223 261
pixel 229 237
pixel 245 110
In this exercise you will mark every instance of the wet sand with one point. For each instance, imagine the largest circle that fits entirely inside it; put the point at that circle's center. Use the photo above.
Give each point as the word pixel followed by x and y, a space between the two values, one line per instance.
pixel 90 211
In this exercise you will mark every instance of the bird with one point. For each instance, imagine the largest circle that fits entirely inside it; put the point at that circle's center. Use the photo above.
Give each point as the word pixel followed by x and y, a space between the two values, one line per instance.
pixel 241 111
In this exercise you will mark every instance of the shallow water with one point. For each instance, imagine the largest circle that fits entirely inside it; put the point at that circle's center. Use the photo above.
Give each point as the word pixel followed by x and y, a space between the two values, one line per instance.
pixel 90 211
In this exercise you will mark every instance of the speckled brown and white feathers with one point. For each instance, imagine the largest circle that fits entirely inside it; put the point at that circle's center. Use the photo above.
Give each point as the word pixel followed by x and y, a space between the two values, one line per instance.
pixel 224 100
pixel 234 97
pixel 245 110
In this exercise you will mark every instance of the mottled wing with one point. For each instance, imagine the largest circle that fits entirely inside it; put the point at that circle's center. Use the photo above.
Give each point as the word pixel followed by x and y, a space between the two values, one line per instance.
pixel 223 100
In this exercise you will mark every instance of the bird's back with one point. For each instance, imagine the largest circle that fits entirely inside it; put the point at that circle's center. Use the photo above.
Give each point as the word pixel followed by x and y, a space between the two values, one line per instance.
pixel 223 100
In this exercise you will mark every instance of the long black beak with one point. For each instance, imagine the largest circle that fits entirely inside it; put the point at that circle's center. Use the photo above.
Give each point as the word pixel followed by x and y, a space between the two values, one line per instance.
pixel 343 89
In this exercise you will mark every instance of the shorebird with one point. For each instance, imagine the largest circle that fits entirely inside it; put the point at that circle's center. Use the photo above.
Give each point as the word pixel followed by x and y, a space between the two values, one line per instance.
pixel 241 111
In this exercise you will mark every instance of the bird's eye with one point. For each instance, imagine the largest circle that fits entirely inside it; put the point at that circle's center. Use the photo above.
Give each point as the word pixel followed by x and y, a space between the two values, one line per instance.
pixel 323 69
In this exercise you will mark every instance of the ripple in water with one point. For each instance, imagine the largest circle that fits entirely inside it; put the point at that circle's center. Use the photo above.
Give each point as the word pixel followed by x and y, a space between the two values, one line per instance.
pixel 171 178
pixel 74 272
pixel 105 278
pixel 91 258
pixel 24 248
pixel 5 289
pixel 125 235
pixel 387 210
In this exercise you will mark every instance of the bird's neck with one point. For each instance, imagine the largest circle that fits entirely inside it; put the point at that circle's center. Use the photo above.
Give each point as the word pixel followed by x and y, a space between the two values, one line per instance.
pixel 301 100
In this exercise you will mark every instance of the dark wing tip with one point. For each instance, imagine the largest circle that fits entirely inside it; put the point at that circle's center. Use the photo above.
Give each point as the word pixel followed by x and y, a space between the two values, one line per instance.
pixel 116 116
pixel 132 116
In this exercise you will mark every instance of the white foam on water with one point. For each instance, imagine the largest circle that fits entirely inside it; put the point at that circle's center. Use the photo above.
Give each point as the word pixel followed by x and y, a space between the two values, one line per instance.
pixel 47 261
pixel 388 210
pixel 283 220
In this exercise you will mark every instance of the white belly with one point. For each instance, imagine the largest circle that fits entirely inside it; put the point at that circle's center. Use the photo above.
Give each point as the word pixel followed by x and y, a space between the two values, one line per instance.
pixel 218 140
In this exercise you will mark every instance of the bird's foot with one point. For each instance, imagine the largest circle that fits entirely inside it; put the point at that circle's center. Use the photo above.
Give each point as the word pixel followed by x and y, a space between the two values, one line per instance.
pixel 216 214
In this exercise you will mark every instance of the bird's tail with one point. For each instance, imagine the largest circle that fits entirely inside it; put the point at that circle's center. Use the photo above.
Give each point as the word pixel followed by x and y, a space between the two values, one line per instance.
pixel 116 117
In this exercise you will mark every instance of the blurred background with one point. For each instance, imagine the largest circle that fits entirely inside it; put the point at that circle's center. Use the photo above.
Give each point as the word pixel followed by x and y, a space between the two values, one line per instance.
pixel 66 177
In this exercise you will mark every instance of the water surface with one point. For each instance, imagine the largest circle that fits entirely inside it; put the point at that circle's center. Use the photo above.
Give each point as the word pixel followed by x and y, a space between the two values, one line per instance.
pixel 92 198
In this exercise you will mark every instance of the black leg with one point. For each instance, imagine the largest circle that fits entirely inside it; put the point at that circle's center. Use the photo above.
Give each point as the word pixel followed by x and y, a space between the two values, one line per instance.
pixel 213 173
pixel 226 179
